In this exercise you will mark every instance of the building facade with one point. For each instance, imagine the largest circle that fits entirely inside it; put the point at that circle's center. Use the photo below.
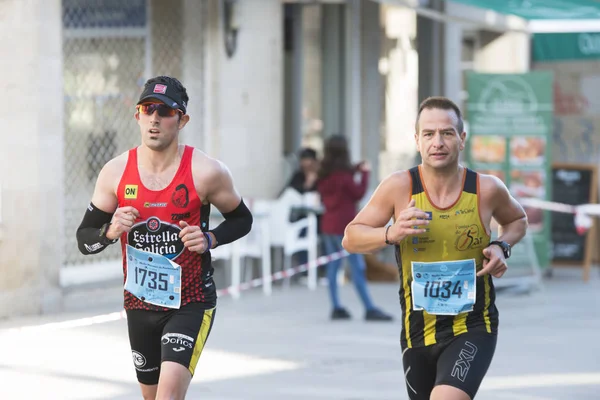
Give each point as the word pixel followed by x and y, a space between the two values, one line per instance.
pixel 265 77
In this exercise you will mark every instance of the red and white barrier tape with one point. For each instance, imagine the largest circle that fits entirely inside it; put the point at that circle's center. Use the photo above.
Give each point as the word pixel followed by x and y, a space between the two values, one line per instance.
pixel 548 205
pixel 588 209
pixel 583 213
pixel 285 273
pixel 116 316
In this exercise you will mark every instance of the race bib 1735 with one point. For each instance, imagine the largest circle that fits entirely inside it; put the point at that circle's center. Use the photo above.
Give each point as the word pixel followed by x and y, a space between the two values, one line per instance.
pixel 153 278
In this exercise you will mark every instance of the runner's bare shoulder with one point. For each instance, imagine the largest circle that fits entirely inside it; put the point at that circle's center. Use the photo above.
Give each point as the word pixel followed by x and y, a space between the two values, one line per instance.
pixel 398 185
pixel 208 172
pixel 111 173
pixel 490 185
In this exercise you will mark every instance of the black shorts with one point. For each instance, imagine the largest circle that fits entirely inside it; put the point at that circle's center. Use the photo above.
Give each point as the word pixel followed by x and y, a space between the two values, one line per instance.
pixel 176 335
pixel 462 362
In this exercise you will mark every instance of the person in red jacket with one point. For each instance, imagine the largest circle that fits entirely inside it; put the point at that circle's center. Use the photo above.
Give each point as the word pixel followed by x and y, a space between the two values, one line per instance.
pixel 340 195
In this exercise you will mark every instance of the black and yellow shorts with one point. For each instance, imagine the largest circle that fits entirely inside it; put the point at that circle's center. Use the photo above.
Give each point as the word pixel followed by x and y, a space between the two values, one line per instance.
pixel 176 335
pixel 461 362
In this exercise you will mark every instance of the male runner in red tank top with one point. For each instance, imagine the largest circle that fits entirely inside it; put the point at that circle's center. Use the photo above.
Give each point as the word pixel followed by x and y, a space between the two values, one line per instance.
pixel 156 199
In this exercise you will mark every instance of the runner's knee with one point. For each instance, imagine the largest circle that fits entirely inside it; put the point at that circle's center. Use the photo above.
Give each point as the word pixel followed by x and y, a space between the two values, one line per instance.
pixel 174 380
pixel 148 391
pixel 446 392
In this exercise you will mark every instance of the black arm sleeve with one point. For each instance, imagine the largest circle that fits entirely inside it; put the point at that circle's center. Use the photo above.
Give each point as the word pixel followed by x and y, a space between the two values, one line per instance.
pixel 237 224
pixel 89 238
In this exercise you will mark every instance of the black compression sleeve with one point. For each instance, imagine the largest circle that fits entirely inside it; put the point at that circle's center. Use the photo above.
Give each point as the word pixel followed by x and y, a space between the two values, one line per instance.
pixel 89 237
pixel 237 224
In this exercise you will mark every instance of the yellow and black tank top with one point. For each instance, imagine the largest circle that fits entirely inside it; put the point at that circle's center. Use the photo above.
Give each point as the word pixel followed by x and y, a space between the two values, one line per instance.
pixel 454 233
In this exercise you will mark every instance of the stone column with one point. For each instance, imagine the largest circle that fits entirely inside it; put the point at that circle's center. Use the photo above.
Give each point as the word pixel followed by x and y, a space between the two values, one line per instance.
pixel 31 157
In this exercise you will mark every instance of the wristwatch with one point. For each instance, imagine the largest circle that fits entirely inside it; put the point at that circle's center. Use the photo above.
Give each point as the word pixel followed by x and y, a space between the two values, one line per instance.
pixel 506 248
pixel 103 239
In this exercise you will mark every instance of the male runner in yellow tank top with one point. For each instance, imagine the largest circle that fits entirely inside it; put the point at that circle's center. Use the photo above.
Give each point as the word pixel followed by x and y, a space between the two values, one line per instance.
pixel 441 232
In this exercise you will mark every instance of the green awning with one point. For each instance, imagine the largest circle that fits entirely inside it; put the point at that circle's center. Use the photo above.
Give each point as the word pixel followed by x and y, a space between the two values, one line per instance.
pixel 541 9
pixel 565 46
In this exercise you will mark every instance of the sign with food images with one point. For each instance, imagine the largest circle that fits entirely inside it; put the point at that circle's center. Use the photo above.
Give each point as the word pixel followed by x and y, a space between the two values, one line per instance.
pixel 510 119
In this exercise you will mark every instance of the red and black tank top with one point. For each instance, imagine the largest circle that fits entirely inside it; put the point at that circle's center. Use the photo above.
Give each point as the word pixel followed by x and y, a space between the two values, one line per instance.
pixel 157 229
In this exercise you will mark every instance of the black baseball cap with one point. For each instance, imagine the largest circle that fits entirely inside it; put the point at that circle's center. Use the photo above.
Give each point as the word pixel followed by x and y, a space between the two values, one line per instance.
pixel 164 92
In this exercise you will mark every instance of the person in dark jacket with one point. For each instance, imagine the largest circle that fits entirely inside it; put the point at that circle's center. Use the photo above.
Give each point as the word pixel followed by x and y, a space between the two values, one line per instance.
pixel 305 178
pixel 340 195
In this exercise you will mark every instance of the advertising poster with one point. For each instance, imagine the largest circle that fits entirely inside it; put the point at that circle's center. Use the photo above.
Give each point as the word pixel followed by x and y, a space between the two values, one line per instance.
pixel 510 134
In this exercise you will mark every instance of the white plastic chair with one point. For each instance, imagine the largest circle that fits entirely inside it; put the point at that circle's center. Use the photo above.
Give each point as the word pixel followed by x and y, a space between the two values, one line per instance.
pixel 227 253
pixel 286 235
pixel 255 245
pixel 222 253
pixel 272 228
pixel 294 243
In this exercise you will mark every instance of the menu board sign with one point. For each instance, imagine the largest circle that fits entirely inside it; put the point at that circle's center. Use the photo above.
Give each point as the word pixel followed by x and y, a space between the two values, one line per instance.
pixel 510 120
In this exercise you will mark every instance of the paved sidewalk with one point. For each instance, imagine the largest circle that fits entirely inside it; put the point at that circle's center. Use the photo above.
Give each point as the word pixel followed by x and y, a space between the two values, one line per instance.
pixel 284 347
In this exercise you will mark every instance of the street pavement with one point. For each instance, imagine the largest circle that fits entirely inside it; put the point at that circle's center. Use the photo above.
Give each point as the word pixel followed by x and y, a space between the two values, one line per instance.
pixel 285 347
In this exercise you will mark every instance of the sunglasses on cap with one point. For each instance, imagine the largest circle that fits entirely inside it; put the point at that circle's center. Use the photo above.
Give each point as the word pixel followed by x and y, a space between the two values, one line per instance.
pixel 163 109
